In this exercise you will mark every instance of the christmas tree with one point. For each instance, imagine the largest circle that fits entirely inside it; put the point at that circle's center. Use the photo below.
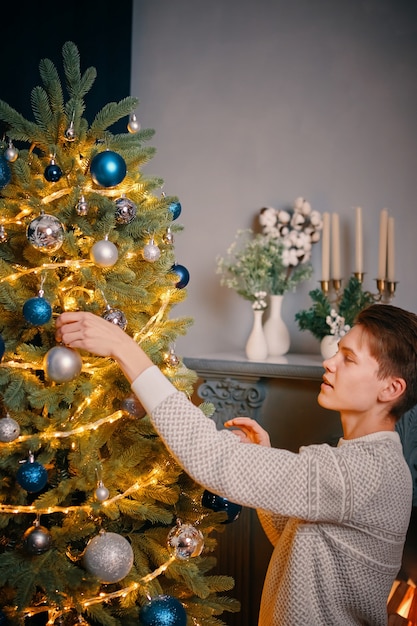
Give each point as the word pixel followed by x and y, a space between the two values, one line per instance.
pixel 98 523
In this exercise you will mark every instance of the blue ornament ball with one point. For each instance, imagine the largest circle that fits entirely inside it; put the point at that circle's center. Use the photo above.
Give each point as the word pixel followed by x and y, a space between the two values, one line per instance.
pixel 175 208
pixel 37 311
pixel 3 619
pixel 108 169
pixel 183 275
pixel 32 476
pixel 2 347
pixel 163 611
pixel 52 173
pixel 218 504
pixel 5 173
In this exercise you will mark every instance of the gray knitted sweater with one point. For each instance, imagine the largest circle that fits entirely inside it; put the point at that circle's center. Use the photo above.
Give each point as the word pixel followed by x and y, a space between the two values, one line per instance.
pixel 337 517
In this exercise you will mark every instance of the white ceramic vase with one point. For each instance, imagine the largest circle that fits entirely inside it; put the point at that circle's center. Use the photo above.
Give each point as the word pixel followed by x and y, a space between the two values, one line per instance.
pixel 256 347
pixel 276 332
pixel 328 346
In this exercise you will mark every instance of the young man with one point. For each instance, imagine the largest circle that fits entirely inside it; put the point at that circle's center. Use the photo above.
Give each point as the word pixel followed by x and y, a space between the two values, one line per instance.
pixel 337 517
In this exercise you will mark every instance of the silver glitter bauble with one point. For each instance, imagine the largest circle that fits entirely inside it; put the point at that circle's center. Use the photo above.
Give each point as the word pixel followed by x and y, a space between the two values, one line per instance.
pixel 115 316
pixel 168 238
pixel 109 557
pixel 82 206
pixel 132 405
pixel 9 429
pixel 125 210
pixel 11 153
pixel 70 134
pixel 45 233
pixel 184 541
pixel 133 124
pixel 171 359
pixel 101 493
pixel 3 234
pixel 37 540
pixel 151 252
pixel 62 364
pixel 104 253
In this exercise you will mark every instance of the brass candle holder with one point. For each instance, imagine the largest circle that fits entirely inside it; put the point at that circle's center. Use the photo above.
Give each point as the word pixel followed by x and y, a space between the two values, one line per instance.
pixel 386 290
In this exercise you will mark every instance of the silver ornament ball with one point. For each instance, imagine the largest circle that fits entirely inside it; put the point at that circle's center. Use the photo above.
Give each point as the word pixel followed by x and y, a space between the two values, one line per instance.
pixel 37 540
pixel 132 405
pixel 70 134
pixel 3 234
pixel 184 541
pixel 151 252
pixel 133 125
pixel 168 238
pixel 11 153
pixel 104 253
pixel 62 364
pixel 109 557
pixel 115 316
pixel 101 493
pixel 82 206
pixel 45 233
pixel 9 429
pixel 125 210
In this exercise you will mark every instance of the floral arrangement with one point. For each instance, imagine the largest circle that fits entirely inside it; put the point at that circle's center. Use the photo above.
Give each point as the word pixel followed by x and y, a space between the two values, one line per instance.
pixel 327 318
pixel 275 260
pixel 297 229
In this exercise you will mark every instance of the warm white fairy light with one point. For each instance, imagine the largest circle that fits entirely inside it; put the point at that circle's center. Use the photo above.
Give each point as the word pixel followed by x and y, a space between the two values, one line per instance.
pixel 146 331
pixel 78 264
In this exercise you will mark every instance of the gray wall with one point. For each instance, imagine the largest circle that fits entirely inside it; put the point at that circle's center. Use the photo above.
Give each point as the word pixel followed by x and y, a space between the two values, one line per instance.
pixel 256 103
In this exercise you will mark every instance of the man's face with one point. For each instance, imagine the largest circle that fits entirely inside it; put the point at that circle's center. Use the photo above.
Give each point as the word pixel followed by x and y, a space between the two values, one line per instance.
pixel 350 383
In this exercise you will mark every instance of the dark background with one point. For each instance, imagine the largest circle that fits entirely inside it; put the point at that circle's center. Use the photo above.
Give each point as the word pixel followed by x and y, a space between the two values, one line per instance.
pixel 101 31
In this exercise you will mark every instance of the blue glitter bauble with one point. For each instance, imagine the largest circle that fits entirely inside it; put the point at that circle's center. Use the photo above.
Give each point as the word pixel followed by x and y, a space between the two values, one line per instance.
pixel 175 208
pixel 32 476
pixel 183 275
pixel 5 173
pixel 218 504
pixel 163 611
pixel 37 311
pixel 52 173
pixel 2 347
pixel 108 169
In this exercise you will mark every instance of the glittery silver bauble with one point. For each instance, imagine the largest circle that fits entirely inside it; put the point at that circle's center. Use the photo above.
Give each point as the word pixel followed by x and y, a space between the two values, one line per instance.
pixel 104 253
pixel 37 540
pixel 168 238
pixel 70 133
pixel 11 153
pixel 151 252
pixel 45 233
pixel 3 238
pixel 62 364
pixel 125 210
pixel 101 493
pixel 9 429
pixel 184 541
pixel 115 316
pixel 82 206
pixel 171 359
pixel 108 556
pixel 132 405
pixel 133 124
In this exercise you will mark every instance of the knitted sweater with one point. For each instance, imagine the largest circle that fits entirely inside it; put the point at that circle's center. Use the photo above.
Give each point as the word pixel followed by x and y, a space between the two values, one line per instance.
pixel 337 517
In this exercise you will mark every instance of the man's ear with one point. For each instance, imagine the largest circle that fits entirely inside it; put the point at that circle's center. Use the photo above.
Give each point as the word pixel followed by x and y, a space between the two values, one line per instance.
pixel 393 389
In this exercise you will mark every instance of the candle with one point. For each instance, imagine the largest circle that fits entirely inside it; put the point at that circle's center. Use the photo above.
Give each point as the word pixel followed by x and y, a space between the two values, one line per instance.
pixel 358 241
pixel 325 248
pixel 390 250
pixel 383 236
pixel 336 274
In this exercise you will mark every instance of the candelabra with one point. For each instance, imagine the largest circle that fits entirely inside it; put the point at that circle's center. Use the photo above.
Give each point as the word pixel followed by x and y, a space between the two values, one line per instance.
pixel 332 288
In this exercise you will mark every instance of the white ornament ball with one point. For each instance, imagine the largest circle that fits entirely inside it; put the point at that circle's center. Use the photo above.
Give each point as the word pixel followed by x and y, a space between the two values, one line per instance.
pixel 109 557
pixel 9 429
pixel 104 253
pixel 151 252
pixel 62 364
pixel 101 493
